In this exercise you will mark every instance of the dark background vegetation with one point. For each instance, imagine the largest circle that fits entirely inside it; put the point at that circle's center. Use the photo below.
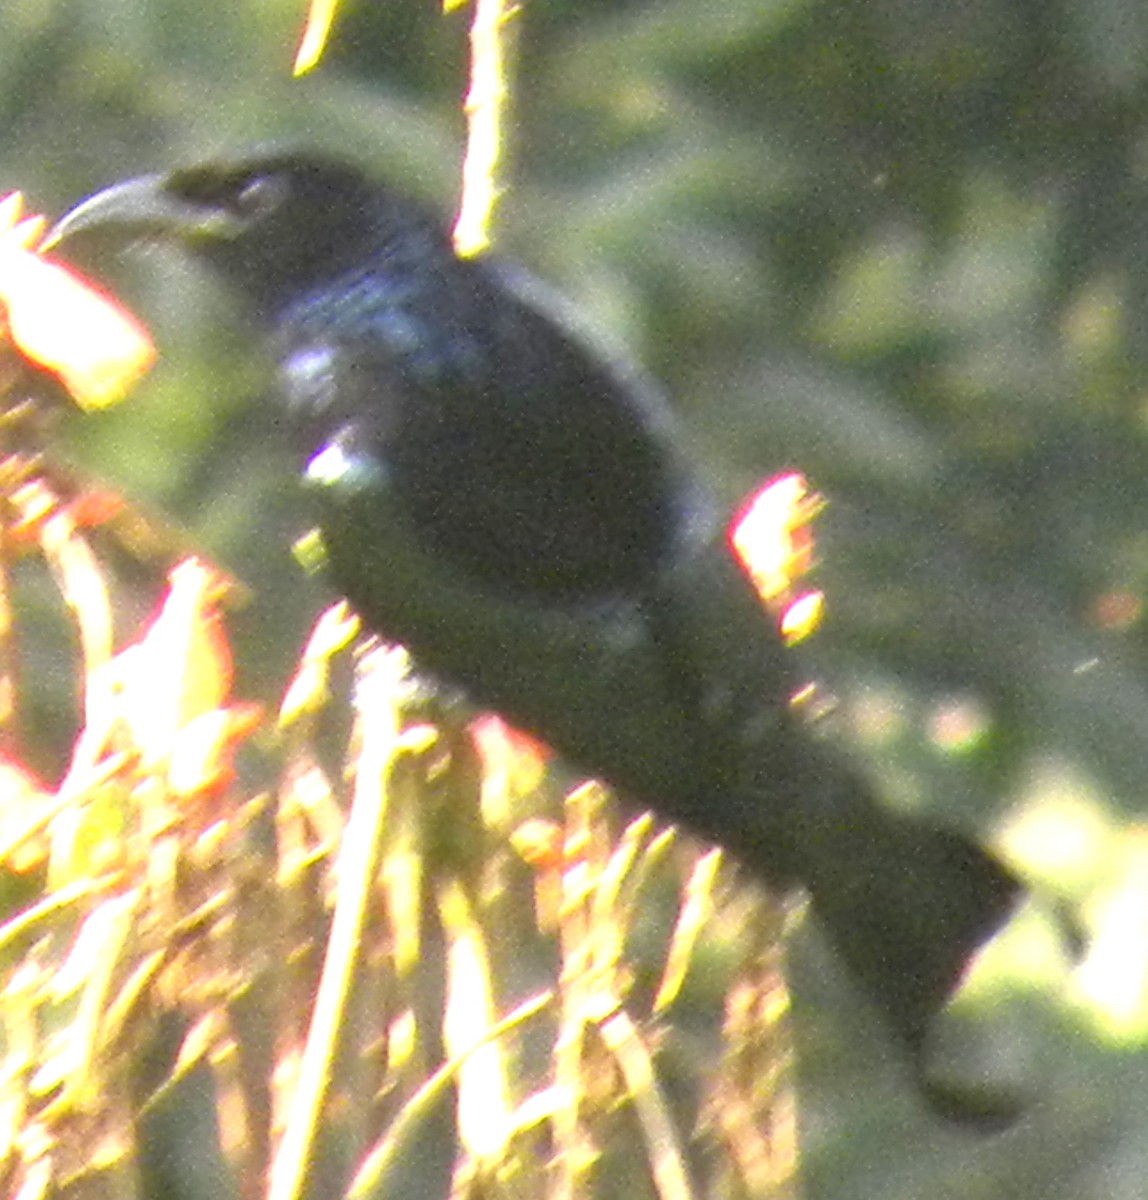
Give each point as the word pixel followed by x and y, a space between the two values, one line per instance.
pixel 900 245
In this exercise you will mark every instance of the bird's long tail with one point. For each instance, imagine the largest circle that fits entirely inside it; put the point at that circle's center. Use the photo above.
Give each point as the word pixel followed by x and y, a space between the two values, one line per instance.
pixel 905 905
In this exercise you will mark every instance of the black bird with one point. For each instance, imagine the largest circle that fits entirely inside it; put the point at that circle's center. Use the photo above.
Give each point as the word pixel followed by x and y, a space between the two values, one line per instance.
pixel 514 508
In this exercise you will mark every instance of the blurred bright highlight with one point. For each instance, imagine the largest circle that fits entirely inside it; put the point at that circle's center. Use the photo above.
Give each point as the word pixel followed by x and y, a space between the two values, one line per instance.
pixel 320 16
pixel 61 323
pixel 771 537
pixel 175 682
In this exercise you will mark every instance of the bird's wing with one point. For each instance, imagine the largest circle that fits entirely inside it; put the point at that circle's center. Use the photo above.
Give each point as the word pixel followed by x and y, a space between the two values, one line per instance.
pixel 587 681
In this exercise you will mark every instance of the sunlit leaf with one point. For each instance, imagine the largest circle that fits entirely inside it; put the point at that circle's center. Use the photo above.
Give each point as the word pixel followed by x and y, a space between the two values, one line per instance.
pixel 768 536
pixel 336 628
pixel 771 538
pixel 201 758
pixel 64 324
pixel 22 795
pixel 181 669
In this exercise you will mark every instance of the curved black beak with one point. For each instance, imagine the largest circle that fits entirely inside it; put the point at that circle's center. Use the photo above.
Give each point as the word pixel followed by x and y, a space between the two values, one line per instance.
pixel 140 208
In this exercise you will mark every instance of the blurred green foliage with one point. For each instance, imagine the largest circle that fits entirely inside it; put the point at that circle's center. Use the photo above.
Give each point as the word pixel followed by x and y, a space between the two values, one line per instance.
pixel 901 245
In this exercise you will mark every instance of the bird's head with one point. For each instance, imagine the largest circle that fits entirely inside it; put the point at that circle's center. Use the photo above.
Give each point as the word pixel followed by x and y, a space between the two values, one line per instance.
pixel 273 226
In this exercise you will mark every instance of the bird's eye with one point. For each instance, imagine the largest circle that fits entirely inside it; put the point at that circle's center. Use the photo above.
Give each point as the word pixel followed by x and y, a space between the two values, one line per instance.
pixel 243 196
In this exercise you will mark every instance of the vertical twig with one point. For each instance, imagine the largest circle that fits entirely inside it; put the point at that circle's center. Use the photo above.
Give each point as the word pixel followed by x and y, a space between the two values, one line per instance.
pixel 356 870
pixel 486 102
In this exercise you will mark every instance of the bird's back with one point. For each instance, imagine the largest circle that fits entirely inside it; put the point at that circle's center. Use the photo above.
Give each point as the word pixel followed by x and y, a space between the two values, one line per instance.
pixel 535 466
